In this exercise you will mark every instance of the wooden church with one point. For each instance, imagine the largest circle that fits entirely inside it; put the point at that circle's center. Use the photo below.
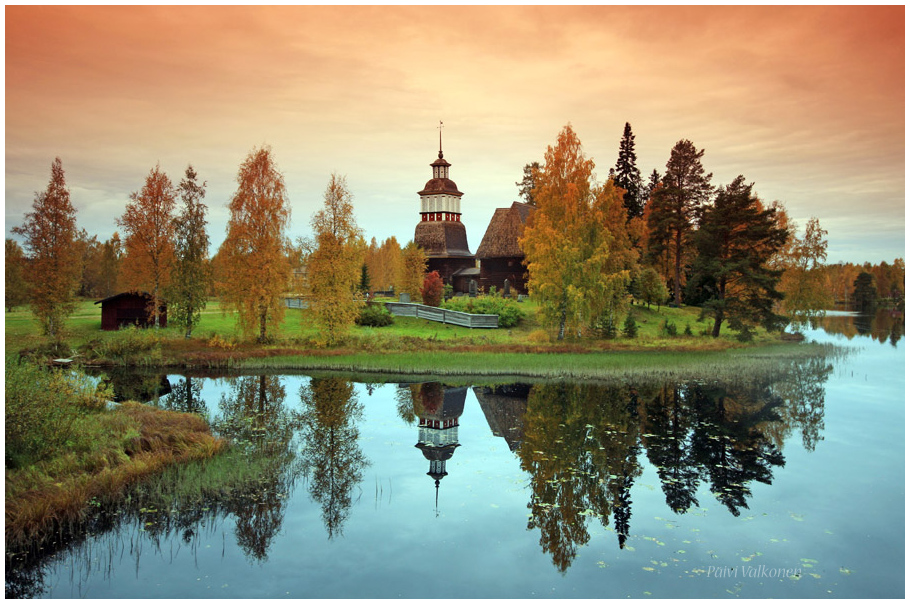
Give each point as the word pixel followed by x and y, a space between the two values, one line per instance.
pixel 440 231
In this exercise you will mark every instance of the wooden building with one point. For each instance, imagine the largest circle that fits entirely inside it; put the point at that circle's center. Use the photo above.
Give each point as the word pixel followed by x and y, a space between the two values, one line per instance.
pixel 440 231
pixel 500 256
pixel 130 308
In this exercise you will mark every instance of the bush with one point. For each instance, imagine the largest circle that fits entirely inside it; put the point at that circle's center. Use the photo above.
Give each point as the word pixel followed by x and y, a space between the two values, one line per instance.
pixel 688 330
pixel 432 289
pixel 374 315
pixel 509 313
pixel 42 409
pixel 669 328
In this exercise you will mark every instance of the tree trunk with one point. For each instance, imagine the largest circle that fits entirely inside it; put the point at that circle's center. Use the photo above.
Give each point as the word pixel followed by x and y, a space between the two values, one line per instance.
pixel 562 321
pixel 677 291
pixel 262 317
pixel 718 319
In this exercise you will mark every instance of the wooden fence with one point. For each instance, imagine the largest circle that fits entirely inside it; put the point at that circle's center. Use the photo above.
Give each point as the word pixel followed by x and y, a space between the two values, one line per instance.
pixel 441 315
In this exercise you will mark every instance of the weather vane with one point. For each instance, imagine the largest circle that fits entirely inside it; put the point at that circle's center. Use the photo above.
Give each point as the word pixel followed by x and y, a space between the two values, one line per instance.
pixel 440 138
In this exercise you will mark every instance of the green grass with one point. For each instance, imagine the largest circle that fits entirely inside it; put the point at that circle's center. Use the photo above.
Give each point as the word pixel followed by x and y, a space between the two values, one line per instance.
pixel 409 342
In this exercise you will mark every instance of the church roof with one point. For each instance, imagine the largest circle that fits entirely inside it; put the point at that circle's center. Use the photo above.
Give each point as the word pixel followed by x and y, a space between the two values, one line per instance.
pixel 442 239
pixel 506 226
pixel 440 185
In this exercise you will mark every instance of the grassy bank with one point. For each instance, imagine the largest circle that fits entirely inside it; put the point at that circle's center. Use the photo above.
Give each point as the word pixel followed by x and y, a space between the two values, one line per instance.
pixel 66 452
pixel 408 346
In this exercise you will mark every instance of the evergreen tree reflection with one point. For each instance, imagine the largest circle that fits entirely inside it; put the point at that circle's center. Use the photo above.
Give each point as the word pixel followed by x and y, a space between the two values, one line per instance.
pixel 331 453
pixel 729 442
pixel 667 426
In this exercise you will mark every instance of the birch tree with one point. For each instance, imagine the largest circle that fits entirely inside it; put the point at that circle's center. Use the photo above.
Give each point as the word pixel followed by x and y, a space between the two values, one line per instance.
pixel 192 273
pixel 334 267
pixel 256 267
pixel 567 243
pixel 53 271
pixel 148 227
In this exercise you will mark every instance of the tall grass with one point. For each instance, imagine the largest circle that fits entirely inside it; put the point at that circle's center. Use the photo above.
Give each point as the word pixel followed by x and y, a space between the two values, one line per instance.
pixel 65 449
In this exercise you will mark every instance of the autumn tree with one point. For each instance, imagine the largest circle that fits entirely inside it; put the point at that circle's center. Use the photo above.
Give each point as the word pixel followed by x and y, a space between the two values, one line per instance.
pixel 735 241
pixel 684 189
pixel 411 272
pixel 16 292
pixel 567 243
pixel 149 244
pixel 333 268
pixel 431 292
pixel 804 283
pixel 189 286
pixel 49 232
pixel 651 288
pixel 528 182
pixel 255 263
pixel 383 263
pixel 627 175
pixel 111 260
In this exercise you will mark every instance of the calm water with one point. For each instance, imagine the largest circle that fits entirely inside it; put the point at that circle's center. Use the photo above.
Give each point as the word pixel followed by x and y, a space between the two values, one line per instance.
pixel 782 485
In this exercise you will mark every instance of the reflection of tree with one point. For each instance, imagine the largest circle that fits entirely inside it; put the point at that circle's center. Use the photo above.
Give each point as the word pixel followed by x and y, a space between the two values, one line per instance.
pixel 580 448
pixel 882 325
pixel 255 416
pixel 186 397
pixel 667 427
pixel 802 390
pixel 331 452
pixel 408 403
pixel 130 385
pixel 729 441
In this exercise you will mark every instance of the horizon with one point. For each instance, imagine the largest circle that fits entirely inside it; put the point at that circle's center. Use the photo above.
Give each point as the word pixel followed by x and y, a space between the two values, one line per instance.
pixel 806 102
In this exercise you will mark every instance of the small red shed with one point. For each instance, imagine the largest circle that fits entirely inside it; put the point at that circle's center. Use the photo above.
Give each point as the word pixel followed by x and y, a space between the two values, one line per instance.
pixel 130 308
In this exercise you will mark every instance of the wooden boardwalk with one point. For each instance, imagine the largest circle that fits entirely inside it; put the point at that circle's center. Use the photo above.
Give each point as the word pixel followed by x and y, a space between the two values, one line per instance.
pixel 441 315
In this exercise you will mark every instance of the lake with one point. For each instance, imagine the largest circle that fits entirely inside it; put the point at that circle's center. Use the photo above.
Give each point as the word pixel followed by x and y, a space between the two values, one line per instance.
pixel 788 483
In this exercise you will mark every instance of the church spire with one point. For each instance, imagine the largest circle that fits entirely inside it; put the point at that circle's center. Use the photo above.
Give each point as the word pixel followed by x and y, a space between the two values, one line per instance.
pixel 440 139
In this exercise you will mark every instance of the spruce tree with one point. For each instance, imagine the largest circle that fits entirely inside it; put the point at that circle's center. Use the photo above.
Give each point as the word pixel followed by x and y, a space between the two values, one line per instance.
pixel 627 175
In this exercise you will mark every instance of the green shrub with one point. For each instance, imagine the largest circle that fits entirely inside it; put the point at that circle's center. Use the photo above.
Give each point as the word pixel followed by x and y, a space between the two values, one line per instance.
pixel 374 315
pixel 509 313
pixel 630 328
pixel 688 330
pixel 43 407
pixel 669 328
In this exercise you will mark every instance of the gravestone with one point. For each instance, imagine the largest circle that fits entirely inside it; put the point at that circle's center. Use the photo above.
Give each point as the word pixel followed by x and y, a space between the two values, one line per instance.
pixel 506 289
pixel 472 288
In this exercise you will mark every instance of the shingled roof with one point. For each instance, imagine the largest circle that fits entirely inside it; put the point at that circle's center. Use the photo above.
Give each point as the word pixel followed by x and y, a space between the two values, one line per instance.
pixel 443 239
pixel 506 226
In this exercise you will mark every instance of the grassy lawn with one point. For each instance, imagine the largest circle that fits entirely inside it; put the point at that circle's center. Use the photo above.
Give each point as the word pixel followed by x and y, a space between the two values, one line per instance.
pixel 410 344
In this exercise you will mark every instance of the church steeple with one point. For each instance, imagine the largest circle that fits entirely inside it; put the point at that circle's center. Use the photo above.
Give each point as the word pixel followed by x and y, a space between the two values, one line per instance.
pixel 440 199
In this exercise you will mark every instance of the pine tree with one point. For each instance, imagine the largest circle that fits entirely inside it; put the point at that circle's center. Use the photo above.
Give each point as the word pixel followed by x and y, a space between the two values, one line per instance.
pixel 735 241
pixel 627 176
pixel 528 182
pixel 685 188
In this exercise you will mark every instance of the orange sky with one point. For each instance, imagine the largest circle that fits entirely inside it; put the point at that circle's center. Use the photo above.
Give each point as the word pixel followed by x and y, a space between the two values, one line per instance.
pixel 807 102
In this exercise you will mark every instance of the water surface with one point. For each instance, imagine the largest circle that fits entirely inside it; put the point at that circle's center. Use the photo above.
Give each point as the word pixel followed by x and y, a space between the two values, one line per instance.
pixel 785 484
